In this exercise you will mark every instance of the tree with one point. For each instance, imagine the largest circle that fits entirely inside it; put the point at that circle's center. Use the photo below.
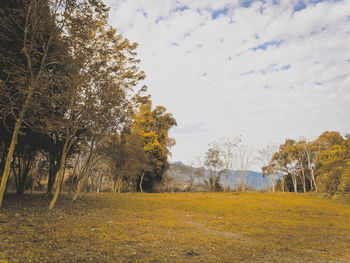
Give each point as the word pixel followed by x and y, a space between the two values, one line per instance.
pixel 345 180
pixel 172 178
pixel 30 58
pixel 228 149
pixel 301 156
pixel 269 168
pixel 285 163
pixel 214 164
pixel 331 159
pixel 153 126
pixel 311 151
pixel 191 174
pixel 128 159
pixel 244 158
pixel 106 63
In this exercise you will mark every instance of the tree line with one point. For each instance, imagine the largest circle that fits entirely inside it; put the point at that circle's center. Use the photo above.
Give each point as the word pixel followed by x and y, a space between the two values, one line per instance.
pixel 222 157
pixel 71 101
pixel 321 165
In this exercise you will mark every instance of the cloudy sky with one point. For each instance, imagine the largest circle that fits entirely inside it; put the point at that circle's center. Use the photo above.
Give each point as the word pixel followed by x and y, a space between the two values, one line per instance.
pixel 267 70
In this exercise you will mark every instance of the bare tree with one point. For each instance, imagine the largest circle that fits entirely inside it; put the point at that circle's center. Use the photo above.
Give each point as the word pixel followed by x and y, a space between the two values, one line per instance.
pixel 171 178
pixel 191 173
pixel 244 160
pixel 269 169
pixel 175 179
pixel 228 149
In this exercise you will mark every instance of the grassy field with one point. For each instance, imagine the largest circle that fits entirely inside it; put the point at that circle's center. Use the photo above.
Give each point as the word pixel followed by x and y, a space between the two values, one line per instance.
pixel 181 227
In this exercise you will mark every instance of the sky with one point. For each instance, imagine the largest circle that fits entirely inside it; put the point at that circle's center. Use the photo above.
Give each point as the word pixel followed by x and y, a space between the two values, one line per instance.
pixel 265 70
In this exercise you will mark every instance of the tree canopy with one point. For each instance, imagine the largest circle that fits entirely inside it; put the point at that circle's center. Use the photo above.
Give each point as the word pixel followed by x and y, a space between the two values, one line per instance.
pixel 69 85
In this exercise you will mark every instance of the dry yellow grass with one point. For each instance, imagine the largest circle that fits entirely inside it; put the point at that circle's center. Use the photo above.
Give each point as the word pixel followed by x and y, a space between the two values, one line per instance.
pixel 180 227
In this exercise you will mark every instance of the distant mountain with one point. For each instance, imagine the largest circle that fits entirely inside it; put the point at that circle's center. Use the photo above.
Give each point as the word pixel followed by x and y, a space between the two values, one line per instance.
pixel 179 163
pixel 253 179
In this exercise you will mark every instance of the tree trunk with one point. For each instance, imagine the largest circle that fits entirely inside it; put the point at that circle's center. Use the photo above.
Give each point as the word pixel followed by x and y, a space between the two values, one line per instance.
pixel 141 181
pixel 62 179
pixel 16 173
pixel 303 181
pixel 242 179
pixel 67 144
pixel 85 172
pixel 80 184
pixel 73 176
pixel 9 158
pixel 53 170
pixel 114 187
pixel 271 177
pixel 99 183
pixel 120 185
pixel 226 178
pixel 295 186
pixel 23 173
pixel 117 185
pixel 33 186
pixel 313 179
pixel 311 168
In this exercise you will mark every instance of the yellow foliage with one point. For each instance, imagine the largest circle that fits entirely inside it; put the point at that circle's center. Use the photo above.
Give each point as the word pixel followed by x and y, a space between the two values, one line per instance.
pixel 345 180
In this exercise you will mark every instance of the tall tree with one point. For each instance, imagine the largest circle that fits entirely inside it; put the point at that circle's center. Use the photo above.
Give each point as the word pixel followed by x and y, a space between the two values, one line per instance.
pixel 30 33
pixel 152 126
pixel 108 73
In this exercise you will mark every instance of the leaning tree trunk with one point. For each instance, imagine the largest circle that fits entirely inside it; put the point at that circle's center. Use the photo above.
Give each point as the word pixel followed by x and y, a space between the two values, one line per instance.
pixel 88 166
pixel 141 181
pixel 67 145
pixel 120 182
pixel 29 92
pixel 73 175
pixel 55 163
pixel 117 185
pixel 303 179
pixel 295 186
pixel 9 157
pixel 313 179
pixel 99 182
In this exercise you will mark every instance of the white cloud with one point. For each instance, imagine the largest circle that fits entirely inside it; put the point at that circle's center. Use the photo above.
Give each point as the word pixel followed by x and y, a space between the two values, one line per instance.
pixel 266 72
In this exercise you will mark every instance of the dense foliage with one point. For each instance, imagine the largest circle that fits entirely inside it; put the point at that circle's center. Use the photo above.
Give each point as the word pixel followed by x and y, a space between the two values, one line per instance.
pixel 320 165
pixel 69 90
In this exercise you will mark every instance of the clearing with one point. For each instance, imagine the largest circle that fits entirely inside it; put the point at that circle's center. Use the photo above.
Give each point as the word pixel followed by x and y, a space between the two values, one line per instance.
pixel 179 227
